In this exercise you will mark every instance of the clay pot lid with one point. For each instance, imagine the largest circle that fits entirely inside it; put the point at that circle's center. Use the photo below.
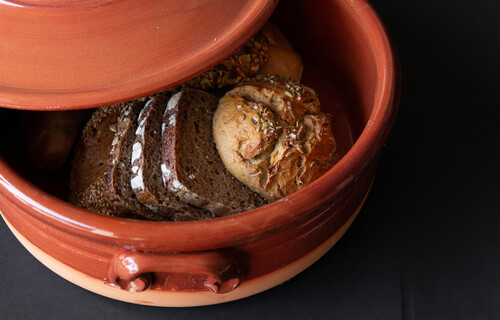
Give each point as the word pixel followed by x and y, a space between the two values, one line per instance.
pixel 73 54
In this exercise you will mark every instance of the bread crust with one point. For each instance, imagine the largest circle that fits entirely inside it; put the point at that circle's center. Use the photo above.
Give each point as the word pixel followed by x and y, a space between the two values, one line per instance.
pixel 146 180
pixel 283 60
pixel 272 136
pixel 172 173
pixel 90 162
pixel 118 189
pixel 244 63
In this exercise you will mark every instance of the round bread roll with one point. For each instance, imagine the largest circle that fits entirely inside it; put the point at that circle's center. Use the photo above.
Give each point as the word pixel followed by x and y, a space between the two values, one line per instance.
pixel 283 60
pixel 275 36
pixel 272 136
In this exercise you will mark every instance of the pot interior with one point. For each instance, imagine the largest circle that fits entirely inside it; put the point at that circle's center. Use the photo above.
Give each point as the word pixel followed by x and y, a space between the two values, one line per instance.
pixel 338 63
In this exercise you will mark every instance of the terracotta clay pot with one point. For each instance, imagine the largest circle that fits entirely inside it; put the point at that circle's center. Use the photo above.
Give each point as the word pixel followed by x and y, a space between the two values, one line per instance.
pixel 348 60
pixel 72 54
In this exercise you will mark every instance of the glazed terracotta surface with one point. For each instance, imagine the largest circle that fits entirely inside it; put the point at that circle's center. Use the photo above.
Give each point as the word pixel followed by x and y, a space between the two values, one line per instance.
pixel 350 64
pixel 81 53
pixel 173 298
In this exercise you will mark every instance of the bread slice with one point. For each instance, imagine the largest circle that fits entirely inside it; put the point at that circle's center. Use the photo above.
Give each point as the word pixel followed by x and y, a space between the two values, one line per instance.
pixel 191 168
pixel 117 189
pixel 146 181
pixel 90 162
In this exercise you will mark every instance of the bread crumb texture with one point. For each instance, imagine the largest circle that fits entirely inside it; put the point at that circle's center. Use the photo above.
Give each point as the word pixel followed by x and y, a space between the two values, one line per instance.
pixel 192 168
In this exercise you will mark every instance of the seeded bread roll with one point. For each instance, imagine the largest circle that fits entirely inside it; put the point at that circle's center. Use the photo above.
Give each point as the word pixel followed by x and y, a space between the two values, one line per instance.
pixel 268 52
pixel 244 63
pixel 272 136
pixel 147 182
pixel 192 169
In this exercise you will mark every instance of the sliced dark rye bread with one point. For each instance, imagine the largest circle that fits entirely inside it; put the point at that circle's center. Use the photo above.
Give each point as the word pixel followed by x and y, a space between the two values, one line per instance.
pixel 117 189
pixel 192 168
pixel 146 181
pixel 90 162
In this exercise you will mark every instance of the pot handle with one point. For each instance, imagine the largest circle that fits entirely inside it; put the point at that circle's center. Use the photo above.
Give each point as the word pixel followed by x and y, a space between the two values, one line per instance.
pixel 134 271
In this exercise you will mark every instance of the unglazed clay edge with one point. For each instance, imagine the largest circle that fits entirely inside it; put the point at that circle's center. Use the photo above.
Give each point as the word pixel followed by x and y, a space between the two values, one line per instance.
pixel 186 299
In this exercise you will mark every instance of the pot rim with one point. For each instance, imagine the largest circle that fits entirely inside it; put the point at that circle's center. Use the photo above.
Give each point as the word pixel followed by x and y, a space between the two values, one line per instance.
pixel 238 228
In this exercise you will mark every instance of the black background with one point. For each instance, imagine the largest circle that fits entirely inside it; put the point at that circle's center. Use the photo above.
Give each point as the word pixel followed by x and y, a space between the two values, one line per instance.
pixel 426 245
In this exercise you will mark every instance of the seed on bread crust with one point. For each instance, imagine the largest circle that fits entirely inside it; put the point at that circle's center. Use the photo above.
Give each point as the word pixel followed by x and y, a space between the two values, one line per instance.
pixel 244 63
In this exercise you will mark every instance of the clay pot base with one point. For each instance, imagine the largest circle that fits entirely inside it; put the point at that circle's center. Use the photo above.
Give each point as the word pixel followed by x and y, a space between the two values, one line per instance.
pixel 185 299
